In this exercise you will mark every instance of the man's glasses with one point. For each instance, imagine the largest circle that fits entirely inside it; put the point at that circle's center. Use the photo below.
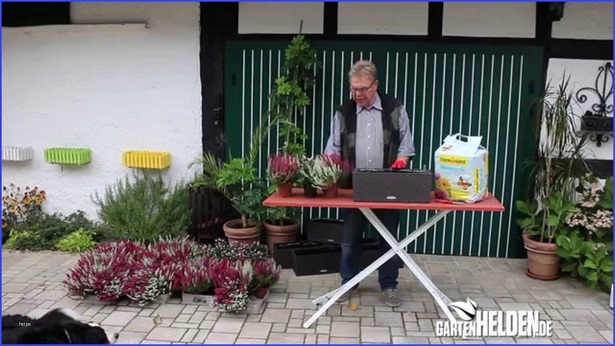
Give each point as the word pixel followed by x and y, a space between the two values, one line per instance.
pixel 361 90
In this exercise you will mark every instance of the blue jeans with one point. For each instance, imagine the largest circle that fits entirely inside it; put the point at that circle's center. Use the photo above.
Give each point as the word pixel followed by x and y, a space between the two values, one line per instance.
pixel 354 225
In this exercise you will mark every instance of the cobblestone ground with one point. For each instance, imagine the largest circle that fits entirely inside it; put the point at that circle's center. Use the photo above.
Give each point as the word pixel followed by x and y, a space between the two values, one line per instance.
pixel 31 284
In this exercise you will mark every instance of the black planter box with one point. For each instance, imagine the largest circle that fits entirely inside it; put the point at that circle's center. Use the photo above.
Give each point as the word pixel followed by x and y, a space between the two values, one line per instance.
pixel 319 260
pixel 283 253
pixel 326 259
pixel 593 123
pixel 387 185
pixel 325 230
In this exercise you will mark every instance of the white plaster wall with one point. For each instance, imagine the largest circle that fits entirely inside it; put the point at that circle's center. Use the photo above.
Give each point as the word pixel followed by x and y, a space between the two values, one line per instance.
pixel 585 20
pixel 383 18
pixel 489 19
pixel 280 17
pixel 582 73
pixel 111 88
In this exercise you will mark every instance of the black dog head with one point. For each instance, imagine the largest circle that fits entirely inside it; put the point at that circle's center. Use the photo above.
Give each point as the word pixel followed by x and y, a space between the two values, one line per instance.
pixel 59 326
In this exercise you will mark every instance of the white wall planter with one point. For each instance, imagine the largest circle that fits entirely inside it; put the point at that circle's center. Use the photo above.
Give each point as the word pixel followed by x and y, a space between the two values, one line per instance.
pixel 17 153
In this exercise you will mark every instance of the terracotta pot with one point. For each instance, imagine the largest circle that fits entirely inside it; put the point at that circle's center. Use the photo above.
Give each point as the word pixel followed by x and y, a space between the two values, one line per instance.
pixel 331 192
pixel 309 191
pixel 261 292
pixel 542 258
pixel 279 234
pixel 236 233
pixel 285 190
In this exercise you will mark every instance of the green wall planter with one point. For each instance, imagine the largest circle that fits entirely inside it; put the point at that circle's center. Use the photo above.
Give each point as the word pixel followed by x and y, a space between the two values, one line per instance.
pixel 68 156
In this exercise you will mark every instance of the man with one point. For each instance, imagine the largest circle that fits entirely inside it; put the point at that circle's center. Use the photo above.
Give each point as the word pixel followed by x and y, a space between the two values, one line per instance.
pixel 371 130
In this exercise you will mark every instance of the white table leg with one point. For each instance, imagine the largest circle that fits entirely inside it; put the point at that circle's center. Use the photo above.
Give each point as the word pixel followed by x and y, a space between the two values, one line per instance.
pixel 331 297
pixel 399 248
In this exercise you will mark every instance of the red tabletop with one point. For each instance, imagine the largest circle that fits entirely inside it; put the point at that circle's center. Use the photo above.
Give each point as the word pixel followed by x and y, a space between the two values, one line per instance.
pixel 344 200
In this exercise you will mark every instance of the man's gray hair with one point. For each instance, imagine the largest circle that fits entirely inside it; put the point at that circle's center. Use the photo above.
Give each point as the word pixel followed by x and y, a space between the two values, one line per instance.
pixel 364 68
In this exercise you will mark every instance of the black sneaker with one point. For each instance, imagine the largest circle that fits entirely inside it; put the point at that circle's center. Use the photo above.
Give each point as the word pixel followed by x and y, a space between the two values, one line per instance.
pixel 390 297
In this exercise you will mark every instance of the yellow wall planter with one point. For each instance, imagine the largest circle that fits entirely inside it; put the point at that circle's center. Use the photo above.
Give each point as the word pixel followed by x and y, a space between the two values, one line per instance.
pixel 147 159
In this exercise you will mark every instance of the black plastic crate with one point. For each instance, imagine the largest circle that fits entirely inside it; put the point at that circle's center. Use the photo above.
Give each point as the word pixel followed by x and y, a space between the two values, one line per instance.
pixel 325 230
pixel 283 253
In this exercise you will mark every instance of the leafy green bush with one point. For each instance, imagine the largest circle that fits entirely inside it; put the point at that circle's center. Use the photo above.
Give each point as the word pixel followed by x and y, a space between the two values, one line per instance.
pixel 78 241
pixel 42 231
pixel 145 209
pixel 24 239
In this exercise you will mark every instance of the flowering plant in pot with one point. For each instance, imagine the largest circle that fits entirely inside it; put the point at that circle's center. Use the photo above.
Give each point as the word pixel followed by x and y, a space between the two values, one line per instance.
pixel 236 251
pixel 305 178
pixel 325 174
pixel 282 170
pixel 266 274
pixel 231 280
pixel 345 167
pixel 104 270
pixel 146 286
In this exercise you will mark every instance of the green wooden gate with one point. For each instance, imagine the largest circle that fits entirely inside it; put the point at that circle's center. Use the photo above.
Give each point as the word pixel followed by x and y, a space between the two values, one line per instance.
pixel 447 88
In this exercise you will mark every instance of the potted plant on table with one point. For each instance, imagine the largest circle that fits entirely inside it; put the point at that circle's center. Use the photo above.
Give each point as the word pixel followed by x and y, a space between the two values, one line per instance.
pixel 554 174
pixel 325 174
pixel 282 171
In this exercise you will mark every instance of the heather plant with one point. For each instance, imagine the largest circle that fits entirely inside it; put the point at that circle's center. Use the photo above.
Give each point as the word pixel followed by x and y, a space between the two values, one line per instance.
pixel 282 169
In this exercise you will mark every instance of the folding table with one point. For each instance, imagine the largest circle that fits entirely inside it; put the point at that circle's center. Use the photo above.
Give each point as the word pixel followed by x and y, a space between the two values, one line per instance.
pixel 344 200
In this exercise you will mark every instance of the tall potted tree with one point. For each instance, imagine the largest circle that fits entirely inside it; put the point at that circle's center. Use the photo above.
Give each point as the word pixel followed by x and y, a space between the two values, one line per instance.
pixel 554 173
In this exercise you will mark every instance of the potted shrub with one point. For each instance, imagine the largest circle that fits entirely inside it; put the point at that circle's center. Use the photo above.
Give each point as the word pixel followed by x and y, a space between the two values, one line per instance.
pixel 282 170
pixel 197 283
pixel 281 226
pixel 246 192
pixel 559 162
pixel 539 236
pixel 325 174
pixel 587 249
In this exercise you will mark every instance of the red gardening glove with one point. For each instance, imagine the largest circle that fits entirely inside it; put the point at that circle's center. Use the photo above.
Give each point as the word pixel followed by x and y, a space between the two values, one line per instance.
pixel 399 164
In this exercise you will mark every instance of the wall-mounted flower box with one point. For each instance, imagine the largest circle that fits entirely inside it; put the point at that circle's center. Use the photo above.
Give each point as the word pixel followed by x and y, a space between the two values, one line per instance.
pixel 147 159
pixel 594 123
pixel 17 153
pixel 68 156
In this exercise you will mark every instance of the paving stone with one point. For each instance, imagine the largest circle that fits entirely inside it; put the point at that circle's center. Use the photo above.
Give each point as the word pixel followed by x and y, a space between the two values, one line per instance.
pixel 201 335
pixel 278 327
pixel 131 337
pixel 169 310
pixel 166 334
pixel 578 315
pixel 220 338
pixel 345 329
pixel 227 325
pixel 375 334
pixel 189 335
pixel 119 318
pixel 607 335
pixel 207 324
pixel 585 334
pixel 285 338
pixel 388 319
pixel 534 341
pixel 255 330
pixel 582 302
pixel 250 341
pixel 276 315
pixel 141 324
pixel 410 340
pixel 10 287
pixel 337 340
pixel 322 339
